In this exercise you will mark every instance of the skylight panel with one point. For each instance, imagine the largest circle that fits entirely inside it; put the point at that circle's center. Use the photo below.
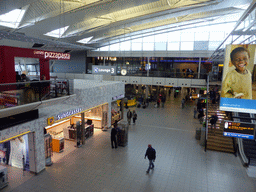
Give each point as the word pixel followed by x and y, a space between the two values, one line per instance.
pixel 85 40
pixel 12 19
pixel 57 32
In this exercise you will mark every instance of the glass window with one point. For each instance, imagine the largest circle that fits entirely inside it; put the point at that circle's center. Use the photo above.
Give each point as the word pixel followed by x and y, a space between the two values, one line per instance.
pixel 201 45
pixel 148 39
pixel 136 46
pixel 114 47
pixel 187 46
pixel 148 46
pixel 161 37
pixel 125 46
pixel 188 36
pixel 213 45
pixel 106 48
pixel 138 40
pixel 173 36
pixel 160 46
pixel 202 36
pixel 217 36
pixel 173 46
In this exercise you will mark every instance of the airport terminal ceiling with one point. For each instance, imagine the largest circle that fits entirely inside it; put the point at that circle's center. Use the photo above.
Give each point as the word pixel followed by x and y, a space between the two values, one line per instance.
pixel 59 25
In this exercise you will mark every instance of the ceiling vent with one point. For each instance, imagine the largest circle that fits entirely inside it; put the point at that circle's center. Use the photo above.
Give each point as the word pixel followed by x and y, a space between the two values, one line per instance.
pixel 37 45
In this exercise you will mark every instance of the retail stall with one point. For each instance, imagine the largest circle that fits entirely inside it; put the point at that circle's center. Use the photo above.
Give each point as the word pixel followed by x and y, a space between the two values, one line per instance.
pixel 65 135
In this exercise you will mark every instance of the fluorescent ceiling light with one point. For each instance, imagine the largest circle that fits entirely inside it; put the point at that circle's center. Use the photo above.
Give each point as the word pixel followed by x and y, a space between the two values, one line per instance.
pixel 57 32
pixel 12 19
pixel 85 40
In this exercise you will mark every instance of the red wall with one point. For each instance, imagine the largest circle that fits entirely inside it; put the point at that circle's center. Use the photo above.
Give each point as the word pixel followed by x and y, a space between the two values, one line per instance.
pixel 7 65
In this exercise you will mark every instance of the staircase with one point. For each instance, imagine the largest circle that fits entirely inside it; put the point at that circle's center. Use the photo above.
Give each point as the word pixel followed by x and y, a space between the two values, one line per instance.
pixel 216 141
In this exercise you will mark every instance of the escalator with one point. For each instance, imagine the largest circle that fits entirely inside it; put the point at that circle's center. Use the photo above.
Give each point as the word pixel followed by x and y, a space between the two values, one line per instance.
pixel 247 147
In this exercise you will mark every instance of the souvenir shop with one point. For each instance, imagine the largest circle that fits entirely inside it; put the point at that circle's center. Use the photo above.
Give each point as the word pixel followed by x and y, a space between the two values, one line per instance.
pixel 71 129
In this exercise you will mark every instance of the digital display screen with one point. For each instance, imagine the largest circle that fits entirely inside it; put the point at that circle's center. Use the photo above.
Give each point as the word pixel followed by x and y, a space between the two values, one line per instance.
pixel 238 129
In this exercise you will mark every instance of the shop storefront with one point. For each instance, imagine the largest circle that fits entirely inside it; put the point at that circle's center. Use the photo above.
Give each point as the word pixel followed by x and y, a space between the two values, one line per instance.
pixel 71 129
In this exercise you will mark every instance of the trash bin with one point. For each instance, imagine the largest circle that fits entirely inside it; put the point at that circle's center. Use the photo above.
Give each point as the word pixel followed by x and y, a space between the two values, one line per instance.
pixel 198 134
pixel 202 139
pixel 122 134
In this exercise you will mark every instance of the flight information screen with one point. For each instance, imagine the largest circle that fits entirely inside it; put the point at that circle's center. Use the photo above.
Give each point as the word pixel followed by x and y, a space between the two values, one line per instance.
pixel 238 129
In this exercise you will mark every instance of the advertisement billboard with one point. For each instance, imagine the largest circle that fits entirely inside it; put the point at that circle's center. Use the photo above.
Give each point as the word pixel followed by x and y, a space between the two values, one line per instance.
pixel 237 92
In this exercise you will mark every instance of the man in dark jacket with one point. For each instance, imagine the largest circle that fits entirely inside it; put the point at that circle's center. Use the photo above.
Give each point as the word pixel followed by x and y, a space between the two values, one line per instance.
pixel 213 121
pixel 129 116
pixel 151 154
pixel 113 135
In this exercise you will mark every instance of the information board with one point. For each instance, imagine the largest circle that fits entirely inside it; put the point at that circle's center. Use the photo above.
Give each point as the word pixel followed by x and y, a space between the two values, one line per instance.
pixel 239 130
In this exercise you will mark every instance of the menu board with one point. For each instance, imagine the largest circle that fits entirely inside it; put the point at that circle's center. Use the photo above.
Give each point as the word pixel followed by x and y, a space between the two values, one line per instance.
pixel 239 130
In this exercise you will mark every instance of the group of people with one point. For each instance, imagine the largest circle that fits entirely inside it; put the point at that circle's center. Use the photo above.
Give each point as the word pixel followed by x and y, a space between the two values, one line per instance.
pixel 131 115
pixel 161 99
pixel 21 78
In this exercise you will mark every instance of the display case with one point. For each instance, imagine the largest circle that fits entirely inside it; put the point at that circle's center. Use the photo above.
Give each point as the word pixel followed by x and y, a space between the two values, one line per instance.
pixel 58 144
pixel 88 131
pixel 48 149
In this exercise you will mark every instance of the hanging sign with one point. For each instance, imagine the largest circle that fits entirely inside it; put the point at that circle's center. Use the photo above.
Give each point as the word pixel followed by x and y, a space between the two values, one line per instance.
pixel 239 130
pixel 103 70
pixel 118 97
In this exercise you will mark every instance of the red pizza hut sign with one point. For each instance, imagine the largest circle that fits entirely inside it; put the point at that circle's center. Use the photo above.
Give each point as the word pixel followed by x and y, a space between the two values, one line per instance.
pixel 52 55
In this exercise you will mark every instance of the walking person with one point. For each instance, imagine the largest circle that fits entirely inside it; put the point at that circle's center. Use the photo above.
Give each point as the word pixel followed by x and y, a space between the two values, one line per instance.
pixel 129 116
pixel 151 154
pixel 134 116
pixel 158 102
pixel 183 102
pixel 114 131
pixel 213 120
pixel 195 111
pixel 163 101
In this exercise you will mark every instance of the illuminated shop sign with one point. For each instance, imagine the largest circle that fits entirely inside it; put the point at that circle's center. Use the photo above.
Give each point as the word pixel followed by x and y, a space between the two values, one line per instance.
pixel 68 113
pixel 97 69
pixel 52 55
pixel 118 97
pixel 240 130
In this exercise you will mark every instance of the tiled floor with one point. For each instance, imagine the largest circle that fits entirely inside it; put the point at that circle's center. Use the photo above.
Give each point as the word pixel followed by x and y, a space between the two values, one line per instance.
pixel 181 164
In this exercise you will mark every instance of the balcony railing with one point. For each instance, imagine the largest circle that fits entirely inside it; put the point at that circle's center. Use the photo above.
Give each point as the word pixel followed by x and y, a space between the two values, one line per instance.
pixel 15 94
pixel 166 74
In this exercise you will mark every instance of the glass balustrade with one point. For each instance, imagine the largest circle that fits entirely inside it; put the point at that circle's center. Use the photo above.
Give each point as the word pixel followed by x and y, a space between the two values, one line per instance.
pixel 16 94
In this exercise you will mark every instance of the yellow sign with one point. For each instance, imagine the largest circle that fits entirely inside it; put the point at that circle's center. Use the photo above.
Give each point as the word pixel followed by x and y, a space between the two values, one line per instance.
pixel 50 120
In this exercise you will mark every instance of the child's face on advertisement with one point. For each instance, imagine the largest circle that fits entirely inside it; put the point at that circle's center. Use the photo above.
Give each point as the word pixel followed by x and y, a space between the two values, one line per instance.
pixel 240 61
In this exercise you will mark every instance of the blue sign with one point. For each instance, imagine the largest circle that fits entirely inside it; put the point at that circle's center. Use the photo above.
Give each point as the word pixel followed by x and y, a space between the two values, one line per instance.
pixel 96 69
pixel 238 105
pixel 238 135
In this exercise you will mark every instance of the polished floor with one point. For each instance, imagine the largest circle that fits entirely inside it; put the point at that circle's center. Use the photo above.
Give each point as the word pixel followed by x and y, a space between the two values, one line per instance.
pixel 181 164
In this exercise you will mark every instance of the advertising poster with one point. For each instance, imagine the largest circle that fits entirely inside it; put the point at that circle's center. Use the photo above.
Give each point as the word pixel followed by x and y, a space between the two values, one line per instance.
pixel 237 92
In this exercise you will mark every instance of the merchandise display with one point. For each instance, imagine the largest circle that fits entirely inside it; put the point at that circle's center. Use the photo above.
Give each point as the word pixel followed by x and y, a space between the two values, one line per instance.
pixel 115 113
pixel 48 149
